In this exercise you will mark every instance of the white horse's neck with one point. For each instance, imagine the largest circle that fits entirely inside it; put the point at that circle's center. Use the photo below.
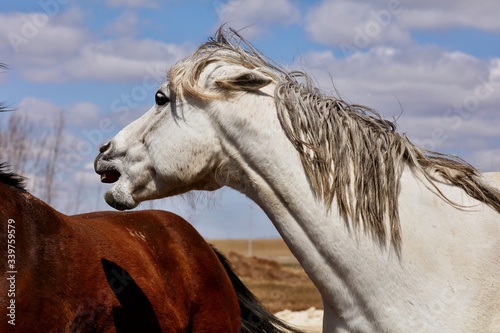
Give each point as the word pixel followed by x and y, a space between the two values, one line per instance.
pixel 271 174
pixel 364 288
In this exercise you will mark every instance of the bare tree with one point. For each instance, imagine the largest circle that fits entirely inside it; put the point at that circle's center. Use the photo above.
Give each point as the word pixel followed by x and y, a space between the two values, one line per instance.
pixel 73 206
pixel 34 150
pixel 17 141
pixel 3 106
pixel 54 154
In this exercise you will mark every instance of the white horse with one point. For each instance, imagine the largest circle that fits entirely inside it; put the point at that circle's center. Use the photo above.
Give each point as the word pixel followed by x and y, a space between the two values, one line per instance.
pixel 395 238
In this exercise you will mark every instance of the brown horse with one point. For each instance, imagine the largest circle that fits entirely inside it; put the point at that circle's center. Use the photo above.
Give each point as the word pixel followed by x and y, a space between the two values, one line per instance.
pixel 143 271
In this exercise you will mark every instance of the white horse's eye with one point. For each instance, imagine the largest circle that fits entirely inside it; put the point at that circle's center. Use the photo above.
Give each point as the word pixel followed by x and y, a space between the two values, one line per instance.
pixel 161 99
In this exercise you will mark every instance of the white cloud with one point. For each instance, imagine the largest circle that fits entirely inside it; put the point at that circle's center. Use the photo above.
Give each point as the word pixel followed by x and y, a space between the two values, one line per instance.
pixel 61 50
pixel 83 113
pixel 38 110
pixel 451 14
pixel 256 17
pixel 355 24
pixel 38 38
pixel 362 24
pixel 495 71
pixel 413 74
pixel 114 60
pixel 41 112
pixel 436 132
pixel 124 25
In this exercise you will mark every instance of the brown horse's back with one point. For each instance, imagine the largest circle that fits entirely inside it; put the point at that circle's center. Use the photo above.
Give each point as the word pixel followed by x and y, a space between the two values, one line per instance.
pixel 171 263
pixel 118 272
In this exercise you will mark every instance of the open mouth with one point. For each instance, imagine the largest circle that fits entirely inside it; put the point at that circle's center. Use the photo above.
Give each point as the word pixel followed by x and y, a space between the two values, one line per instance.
pixel 110 176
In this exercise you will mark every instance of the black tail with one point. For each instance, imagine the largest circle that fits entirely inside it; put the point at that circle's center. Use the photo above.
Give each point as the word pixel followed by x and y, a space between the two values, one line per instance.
pixel 254 317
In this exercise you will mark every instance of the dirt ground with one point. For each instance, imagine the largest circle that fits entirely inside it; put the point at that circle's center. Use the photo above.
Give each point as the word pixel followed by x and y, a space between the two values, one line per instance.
pixel 272 273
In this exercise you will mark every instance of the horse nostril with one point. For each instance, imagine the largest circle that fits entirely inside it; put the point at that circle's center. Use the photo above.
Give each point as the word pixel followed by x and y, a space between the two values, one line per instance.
pixel 104 147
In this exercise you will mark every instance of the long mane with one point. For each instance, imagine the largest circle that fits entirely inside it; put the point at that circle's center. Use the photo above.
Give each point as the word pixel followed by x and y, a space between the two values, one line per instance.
pixel 351 155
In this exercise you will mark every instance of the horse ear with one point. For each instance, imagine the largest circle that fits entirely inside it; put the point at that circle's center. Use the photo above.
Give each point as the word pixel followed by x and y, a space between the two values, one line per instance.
pixel 249 80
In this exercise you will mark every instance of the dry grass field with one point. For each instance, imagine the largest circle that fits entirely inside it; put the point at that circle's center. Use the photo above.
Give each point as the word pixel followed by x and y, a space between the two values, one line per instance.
pixel 272 273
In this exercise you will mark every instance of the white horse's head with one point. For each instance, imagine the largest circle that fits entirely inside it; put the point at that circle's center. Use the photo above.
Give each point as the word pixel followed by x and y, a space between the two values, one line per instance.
pixel 176 146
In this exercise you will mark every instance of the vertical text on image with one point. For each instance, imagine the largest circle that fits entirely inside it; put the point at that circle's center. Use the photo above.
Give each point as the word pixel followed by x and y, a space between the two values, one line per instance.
pixel 11 271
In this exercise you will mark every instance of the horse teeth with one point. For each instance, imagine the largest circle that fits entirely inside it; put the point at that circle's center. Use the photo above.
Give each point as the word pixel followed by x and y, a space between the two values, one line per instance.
pixel 110 176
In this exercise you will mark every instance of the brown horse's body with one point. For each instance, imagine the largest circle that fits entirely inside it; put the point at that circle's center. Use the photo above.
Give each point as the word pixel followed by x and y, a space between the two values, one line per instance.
pixel 144 271
pixel 73 277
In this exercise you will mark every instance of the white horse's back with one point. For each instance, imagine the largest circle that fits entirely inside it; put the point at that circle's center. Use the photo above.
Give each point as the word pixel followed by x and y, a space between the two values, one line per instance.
pixel 455 254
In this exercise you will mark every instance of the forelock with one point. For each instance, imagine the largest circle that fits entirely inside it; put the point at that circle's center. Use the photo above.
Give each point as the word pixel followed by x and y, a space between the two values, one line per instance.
pixel 227 47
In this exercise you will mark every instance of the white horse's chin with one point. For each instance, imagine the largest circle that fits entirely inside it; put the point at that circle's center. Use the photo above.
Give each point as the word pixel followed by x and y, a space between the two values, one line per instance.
pixel 119 199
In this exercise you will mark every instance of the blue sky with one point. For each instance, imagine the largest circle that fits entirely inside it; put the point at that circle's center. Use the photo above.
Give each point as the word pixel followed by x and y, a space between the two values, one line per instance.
pixel 433 65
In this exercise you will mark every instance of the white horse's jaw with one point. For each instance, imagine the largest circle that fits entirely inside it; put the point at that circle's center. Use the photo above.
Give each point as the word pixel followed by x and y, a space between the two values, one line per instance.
pixel 120 200
pixel 118 196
